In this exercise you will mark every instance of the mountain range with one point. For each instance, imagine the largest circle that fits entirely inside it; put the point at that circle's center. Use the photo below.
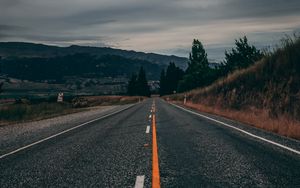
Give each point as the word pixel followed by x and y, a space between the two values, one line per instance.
pixel 75 68
pixel 22 49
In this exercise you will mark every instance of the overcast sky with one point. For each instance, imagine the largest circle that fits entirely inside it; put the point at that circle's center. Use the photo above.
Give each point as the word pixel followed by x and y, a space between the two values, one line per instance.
pixel 161 26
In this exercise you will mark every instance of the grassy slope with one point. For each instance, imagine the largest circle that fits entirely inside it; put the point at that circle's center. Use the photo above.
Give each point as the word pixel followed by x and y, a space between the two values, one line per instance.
pixel 266 95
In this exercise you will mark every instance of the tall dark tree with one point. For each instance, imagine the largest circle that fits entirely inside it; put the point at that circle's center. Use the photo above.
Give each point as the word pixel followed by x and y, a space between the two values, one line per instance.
pixel 142 84
pixel 198 57
pixel 132 85
pixel 169 80
pixel 138 84
pixel 198 73
pixel 162 83
pixel 1 83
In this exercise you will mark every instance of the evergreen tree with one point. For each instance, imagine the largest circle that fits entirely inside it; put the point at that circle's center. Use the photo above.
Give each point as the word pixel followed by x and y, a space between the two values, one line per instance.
pixel 142 84
pixel 242 56
pixel 1 83
pixel 138 84
pixel 198 73
pixel 169 80
pixel 162 81
pixel 198 57
pixel 132 85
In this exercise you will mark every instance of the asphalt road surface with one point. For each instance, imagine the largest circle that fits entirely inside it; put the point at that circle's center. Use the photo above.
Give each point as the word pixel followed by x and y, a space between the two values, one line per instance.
pixel 121 149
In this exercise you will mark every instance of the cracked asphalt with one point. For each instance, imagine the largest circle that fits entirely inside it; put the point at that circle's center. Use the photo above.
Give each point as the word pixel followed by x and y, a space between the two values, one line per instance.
pixel 111 152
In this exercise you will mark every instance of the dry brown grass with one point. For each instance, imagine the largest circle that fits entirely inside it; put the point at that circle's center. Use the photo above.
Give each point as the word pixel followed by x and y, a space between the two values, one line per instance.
pixel 266 95
pixel 282 125
pixel 111 100
pixel 16 113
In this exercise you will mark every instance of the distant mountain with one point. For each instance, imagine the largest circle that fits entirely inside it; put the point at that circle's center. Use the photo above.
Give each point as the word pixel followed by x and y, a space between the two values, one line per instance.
pixel 21 49
pixel 29 67
pixel 79 73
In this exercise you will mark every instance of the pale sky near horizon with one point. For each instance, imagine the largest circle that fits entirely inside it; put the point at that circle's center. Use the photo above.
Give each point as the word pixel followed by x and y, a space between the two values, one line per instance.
pixel 159 26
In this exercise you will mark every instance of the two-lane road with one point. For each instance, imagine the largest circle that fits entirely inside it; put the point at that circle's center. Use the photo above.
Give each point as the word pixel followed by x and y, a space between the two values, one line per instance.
pixel 118 151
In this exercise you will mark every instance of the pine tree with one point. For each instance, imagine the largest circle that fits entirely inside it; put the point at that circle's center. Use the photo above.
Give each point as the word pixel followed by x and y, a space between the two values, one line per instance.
pixel 198 73
pixel 169 80
pixel 162 81
pixel 242 56
pixel 142 84
pixel 132 85
pixel 1 83
pixel 198 57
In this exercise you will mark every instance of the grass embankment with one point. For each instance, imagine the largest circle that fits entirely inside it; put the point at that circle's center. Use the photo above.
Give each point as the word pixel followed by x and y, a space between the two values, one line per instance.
pixel 14 113
pixel 28 111
pixel 266 95
pixel 111 100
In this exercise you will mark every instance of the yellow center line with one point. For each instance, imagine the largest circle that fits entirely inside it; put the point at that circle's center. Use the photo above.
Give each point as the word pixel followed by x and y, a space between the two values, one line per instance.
pixel 155 163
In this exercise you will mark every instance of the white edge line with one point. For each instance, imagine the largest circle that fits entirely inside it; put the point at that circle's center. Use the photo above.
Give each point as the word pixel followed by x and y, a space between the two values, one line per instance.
pixel 60 133
pixel 240 130
pixel 139 182
pixel 148 129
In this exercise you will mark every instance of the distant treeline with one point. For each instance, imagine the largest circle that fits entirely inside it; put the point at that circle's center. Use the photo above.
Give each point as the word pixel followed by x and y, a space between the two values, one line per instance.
pixel 138 84
pixel 81 65
pixel 200 74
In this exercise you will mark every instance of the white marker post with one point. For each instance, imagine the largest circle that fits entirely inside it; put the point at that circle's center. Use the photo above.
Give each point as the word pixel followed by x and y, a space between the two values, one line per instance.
pixel 60 97
pixel 184 100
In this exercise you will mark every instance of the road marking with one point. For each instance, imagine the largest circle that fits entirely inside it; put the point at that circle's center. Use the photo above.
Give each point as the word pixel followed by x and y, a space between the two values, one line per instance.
pixel 241 130
pixel 147 129
pixel 155 162
pixel 139 182
pixel 60 133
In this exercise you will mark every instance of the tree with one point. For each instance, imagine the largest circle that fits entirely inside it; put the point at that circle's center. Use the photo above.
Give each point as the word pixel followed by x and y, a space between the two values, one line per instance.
pixel 138 84
pixel 169 80
pixel 142 84
pixel 242 56
pixel 162 83
pixel 198 73
pixel 132 85
pixel 1 83
pixel 198 57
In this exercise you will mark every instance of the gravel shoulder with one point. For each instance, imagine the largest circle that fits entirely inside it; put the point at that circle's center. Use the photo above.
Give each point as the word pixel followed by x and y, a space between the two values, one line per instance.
pixel 21 134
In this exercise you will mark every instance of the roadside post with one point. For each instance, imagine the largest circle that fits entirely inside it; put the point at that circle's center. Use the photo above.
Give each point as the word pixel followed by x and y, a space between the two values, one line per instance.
pixel 184 100
pixel 60 97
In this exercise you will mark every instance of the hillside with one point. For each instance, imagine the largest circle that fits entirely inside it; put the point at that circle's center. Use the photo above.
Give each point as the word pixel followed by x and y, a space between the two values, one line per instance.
pixel 79 73
pixel 266 95
pixel 21 49
pixel 58 68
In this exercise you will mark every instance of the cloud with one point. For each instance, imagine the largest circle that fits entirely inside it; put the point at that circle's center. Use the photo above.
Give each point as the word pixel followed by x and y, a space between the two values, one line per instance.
pixel 166 26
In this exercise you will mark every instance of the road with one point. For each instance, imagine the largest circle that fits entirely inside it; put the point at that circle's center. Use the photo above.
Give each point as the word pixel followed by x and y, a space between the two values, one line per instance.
pixel 153 143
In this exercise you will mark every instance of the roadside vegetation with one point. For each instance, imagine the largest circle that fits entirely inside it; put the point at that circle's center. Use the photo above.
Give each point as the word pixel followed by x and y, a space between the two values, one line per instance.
pixel 25 110
pixel 266 94
pixel 13 113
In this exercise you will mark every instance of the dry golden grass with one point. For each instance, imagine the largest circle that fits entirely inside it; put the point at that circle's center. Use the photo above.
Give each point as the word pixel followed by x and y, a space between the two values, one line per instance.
pixel 15 113
pixel 282 125
pixel 266 95
pixel 111 100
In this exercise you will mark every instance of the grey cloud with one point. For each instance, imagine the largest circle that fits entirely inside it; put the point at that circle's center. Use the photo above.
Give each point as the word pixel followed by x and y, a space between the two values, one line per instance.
pixel 4 27
pixel 89 20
